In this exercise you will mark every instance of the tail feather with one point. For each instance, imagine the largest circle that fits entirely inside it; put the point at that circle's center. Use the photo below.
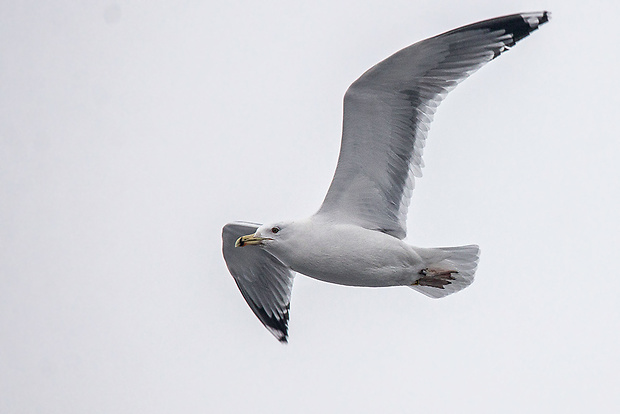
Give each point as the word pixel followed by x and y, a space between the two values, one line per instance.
pixel 455 272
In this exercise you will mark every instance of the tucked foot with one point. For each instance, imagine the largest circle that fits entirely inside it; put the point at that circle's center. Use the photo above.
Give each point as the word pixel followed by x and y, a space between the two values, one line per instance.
pixel 437 278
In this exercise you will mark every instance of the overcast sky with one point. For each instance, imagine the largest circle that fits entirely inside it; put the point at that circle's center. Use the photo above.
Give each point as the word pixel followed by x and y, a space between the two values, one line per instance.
pixel 131 132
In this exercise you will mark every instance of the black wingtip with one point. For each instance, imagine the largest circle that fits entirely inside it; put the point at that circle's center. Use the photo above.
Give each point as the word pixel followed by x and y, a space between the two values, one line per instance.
pixel 517 25
pixel 277 325
pixel 520 26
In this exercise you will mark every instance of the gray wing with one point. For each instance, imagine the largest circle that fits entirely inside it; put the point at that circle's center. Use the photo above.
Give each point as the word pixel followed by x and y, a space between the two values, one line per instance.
pixel 387 115
pixel 263 280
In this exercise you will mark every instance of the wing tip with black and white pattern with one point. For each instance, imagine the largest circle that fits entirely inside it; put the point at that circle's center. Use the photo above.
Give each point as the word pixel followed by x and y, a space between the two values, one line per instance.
pixel 517 26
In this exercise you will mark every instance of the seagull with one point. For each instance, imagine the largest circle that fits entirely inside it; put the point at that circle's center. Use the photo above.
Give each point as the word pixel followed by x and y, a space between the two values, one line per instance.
pixel 356 237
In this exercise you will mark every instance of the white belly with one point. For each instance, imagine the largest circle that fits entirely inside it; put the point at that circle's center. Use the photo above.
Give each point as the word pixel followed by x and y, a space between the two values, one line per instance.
pixel 350 255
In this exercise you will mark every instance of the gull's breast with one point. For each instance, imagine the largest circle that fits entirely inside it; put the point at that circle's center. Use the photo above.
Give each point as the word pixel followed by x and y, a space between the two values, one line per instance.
pixel 351 255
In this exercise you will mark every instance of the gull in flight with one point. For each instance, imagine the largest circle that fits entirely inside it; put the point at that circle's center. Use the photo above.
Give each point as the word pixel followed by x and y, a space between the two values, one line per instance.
pixel 356 237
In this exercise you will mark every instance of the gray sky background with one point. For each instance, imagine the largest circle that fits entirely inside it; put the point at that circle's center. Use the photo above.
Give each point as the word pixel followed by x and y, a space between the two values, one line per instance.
pixel 131 132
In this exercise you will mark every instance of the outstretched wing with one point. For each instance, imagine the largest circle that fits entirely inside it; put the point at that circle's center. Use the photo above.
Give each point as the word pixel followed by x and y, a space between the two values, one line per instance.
pixel 387 115
pixel 263 280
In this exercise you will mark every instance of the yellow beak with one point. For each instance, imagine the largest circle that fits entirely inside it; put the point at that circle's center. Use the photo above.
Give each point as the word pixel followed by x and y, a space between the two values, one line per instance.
pixel 250 240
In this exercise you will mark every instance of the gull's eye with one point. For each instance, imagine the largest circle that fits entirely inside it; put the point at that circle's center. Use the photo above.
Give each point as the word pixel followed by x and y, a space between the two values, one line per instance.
pixel 275 229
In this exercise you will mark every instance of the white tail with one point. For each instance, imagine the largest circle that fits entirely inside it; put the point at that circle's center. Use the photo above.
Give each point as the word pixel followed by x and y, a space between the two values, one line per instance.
pixel 453 273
